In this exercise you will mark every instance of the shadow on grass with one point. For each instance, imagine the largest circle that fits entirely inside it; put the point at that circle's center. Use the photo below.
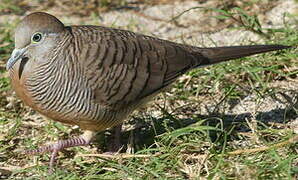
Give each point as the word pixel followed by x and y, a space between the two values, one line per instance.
pixel 147 129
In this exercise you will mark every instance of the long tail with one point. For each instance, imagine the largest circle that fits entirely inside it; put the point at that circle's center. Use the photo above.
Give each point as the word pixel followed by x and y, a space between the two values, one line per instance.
pixel 218 54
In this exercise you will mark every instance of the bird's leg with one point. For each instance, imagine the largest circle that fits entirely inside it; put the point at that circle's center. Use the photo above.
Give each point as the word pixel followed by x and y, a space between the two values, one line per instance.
pixel 115 145
pixel 83 140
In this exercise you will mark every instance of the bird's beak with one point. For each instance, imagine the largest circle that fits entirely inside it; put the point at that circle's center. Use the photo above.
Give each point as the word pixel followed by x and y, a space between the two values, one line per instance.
pixel 16 55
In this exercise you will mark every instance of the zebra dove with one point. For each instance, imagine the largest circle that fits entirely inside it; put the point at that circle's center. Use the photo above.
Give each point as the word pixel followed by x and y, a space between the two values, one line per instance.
pixel 94 76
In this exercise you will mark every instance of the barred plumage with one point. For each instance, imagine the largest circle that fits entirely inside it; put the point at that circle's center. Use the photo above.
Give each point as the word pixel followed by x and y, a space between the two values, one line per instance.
pixel 95 76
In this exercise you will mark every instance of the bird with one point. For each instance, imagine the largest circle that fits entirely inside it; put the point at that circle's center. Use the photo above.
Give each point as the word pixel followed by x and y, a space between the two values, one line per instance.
pixel 96 76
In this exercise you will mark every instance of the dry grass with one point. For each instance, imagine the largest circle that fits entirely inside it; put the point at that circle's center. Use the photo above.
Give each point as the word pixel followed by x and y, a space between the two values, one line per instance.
pixel 192 131
pixel 85 8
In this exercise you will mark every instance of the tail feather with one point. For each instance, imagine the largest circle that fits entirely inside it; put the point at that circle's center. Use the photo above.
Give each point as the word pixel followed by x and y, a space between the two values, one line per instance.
pixel 219 54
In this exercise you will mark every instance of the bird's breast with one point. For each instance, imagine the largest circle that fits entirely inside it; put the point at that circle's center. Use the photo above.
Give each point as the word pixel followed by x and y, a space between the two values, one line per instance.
pixel 18 85
pixel 63 94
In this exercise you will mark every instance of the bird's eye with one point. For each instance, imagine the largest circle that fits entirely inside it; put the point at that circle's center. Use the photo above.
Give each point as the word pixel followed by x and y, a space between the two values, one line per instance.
pixel 36 37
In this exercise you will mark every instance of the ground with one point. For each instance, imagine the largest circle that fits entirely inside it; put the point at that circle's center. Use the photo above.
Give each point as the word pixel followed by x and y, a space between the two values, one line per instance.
pixel 234 120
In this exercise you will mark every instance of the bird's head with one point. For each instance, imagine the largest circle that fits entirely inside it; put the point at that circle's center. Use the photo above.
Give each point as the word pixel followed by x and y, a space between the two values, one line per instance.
pixel 35 36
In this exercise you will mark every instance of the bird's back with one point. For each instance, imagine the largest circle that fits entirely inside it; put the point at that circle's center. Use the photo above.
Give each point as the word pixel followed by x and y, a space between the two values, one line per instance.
pixel 96 76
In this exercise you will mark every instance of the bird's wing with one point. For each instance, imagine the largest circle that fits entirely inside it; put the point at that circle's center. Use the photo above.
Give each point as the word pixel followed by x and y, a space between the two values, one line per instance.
pixel 125 67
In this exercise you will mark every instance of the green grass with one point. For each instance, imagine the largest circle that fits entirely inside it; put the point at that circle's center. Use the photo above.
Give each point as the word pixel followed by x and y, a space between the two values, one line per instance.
pixel 8 6
pixel 183 142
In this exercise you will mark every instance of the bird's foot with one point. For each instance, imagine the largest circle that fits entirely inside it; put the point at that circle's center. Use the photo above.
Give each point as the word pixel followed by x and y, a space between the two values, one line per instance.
pixel 83 140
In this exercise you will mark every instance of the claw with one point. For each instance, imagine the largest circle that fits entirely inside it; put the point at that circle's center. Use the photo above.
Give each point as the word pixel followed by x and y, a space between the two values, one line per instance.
pixel 83 140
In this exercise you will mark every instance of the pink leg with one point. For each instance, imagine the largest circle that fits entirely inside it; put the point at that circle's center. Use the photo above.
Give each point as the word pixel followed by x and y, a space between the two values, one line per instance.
pixel 83 140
